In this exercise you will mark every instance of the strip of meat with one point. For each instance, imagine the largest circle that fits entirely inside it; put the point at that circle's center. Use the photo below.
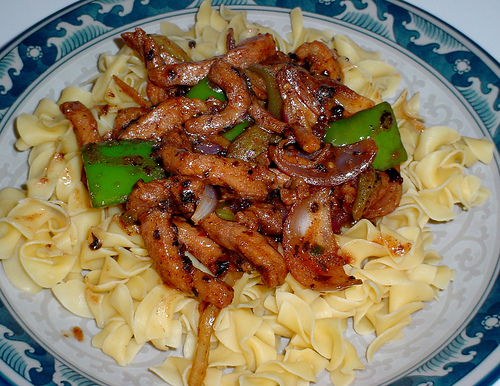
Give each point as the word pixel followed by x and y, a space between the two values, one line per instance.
pixel 350 100
pixel 184 192
pixel 385 195
pixel 306 138
pixel 238 238
pixel 252 50
pixel 255 49
pixel 84 123
pixel 265 119
pixel 124 117
pixel 207 251
pixel 165 117
pixel 265 217
pixel 235 87
pixel 157 94
pixel 300 109
pixel 153 48
pixel 320 59
pixel 154 211
pixel 181 74
pixel 245 179
pixel 176 269
pixel 135 40
pixel 308 102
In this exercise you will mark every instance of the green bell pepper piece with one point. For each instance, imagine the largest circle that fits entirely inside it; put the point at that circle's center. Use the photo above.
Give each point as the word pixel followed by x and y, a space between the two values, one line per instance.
pixel 224 211
pixel 113 167
pixel 202 90
pixel 251 143
pixel 235 131
pixel 378 123
pixel 367 183
pixel 274 99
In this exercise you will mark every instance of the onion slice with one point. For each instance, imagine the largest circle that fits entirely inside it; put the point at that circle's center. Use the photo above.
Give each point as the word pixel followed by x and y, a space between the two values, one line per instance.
pixel 310 248
pixel 206 205
pixel 333 165
pixel 208 314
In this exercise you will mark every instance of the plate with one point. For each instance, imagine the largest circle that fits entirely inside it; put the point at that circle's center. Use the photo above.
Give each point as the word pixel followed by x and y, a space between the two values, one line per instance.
pixel 453 340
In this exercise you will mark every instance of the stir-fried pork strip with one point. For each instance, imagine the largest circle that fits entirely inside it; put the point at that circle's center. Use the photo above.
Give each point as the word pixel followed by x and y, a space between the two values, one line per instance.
pixel 252 50
pixel 382 197
pixel 181 74
pixel 135 40
pixel 244 178
pixel 264 217
pixel 338 94
pixel 146 45
pixel 217 259
pixel 387 195
pixel 157 94
pixel 185 192
pixel 313 180
pixel 292 189
pixel 265 119
pixel 305 137
pixel 319 59
pixel 255 49
pixel 310 102
pixel 124 118
pixel 235 87
pixel 165 117
pixel 153 55
pixel 300 109
pixel 147 48
pixel 84 123
pixel 238 238
pixel 154 211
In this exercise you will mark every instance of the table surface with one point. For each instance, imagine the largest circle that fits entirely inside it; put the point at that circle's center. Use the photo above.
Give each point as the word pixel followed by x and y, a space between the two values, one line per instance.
pixel 478 19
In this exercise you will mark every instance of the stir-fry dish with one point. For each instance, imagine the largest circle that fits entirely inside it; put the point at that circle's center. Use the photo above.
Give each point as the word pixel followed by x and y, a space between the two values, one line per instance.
pixel 256 166
pixel 279 180
pixel 231 202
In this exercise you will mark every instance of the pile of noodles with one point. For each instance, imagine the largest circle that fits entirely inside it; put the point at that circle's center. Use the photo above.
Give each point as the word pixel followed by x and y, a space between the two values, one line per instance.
pixel 49 232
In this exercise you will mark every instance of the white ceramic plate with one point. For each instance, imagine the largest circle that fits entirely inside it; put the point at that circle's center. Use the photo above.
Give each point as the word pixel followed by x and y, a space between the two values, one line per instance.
pixel 451 341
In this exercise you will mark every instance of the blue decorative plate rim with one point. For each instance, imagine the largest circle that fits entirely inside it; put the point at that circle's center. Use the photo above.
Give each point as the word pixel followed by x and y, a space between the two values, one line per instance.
pixel 26 58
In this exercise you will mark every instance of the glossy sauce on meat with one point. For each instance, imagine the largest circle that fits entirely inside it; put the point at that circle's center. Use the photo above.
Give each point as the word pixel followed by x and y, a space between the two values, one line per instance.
pixel 296 190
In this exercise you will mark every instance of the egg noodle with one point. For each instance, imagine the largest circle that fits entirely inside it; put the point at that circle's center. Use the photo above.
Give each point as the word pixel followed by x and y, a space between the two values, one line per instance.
pixel 50 237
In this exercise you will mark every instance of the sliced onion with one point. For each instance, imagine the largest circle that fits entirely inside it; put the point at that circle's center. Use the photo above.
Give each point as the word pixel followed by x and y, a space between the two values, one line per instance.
pixel 208 314
pixel 208 148
pixel 333 165
pixel 299 219
pixel 206 205
pixel 311 251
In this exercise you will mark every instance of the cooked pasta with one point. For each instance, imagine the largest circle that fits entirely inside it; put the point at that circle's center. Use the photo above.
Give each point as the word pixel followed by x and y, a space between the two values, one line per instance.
pixel 97 268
